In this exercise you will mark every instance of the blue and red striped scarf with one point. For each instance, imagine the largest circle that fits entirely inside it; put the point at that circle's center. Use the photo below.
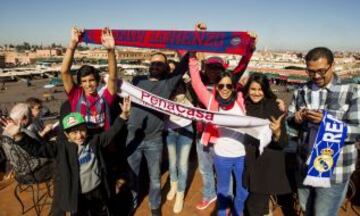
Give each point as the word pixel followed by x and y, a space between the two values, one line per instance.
pixel 239 43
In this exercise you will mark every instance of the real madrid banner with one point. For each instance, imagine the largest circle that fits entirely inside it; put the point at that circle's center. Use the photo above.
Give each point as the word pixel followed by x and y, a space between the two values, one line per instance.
pixel 205 41
pixel 328 144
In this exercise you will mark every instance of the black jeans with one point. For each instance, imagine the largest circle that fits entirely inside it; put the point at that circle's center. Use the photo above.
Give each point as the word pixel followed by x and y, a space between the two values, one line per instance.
pixel 93 203
pixel 257 204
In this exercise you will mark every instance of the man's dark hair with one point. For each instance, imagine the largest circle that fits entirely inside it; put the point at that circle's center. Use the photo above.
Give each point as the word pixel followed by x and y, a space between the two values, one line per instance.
pixel 166 67
pixel 33 101
pixel 320 52
pixel 87 70
pixel 162 54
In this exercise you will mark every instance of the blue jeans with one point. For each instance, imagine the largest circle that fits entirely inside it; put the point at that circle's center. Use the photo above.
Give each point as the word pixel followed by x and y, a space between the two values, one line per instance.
pixel 224 167
pixel 322 201
pixel 179 144
pixel 206 167
pixel 152 150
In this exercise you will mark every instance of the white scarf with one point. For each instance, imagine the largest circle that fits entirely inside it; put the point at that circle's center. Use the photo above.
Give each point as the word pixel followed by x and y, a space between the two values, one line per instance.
pixel 255 127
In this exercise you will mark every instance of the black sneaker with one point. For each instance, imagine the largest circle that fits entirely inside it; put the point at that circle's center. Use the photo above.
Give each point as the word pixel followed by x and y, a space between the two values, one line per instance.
pixel 132 206
pixel 132 209
pixel 156 212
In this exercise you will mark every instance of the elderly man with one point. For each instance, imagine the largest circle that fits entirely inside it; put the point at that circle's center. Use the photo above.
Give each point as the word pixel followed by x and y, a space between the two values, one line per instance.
pixel 27 168
pixel 324 92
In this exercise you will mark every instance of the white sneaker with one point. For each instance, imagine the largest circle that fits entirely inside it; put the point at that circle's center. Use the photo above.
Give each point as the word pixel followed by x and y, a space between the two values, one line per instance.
pixel 179 202
pixel 172 192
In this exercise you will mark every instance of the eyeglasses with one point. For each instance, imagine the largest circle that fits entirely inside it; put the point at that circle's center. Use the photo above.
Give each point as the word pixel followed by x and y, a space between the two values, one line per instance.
pixel 228 86
pixel 321 72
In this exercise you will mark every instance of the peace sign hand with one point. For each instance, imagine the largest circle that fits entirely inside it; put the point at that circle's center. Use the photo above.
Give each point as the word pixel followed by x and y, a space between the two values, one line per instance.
pixel 275 126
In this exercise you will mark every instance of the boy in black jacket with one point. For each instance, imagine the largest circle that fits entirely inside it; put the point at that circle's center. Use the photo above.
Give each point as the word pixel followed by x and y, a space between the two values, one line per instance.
pixel 83 188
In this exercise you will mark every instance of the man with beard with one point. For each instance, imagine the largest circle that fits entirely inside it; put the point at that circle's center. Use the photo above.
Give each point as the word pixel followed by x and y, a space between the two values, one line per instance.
pixel 145 127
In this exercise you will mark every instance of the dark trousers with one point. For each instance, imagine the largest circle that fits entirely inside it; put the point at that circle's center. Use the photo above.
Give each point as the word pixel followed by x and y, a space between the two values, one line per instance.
pixel 257 204
pixel 92 203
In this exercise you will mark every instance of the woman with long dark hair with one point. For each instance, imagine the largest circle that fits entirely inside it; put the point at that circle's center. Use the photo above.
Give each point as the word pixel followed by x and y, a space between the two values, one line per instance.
pixel 265 174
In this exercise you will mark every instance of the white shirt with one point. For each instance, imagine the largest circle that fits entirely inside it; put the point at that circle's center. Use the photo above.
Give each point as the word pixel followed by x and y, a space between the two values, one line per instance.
pixel 315 97
pixel 175 121
pixel 230 142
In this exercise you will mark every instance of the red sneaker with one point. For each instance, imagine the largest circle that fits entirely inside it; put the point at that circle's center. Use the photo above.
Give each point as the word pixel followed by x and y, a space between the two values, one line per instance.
pixel 205 203
pixel 228 212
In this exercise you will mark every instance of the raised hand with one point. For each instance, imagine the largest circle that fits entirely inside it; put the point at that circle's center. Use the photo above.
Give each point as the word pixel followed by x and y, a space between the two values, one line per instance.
pixel 125 108
pixel 253 35
pixel 10 127
pixel 275 126
pixel 75 37
pixel 107 39
pixel 200 26
pixel 281 105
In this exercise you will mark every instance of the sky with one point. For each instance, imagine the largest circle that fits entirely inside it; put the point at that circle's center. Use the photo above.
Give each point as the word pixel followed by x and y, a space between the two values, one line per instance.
pixel 280 24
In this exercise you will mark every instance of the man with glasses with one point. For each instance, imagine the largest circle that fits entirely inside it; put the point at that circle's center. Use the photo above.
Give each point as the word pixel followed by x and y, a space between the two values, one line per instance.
pixel 145 127
pixel 324 91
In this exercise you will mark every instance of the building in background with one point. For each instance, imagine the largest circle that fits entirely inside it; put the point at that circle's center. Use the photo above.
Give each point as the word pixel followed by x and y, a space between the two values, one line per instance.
pixel 2 61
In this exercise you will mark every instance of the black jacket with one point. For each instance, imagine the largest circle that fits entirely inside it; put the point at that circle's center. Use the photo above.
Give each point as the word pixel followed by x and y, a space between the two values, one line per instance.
pixel 68 179
pixel 265 174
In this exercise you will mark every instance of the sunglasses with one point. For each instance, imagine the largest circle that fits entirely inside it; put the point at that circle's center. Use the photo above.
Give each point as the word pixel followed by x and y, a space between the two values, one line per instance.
pixel 228 86
pixel 157 64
